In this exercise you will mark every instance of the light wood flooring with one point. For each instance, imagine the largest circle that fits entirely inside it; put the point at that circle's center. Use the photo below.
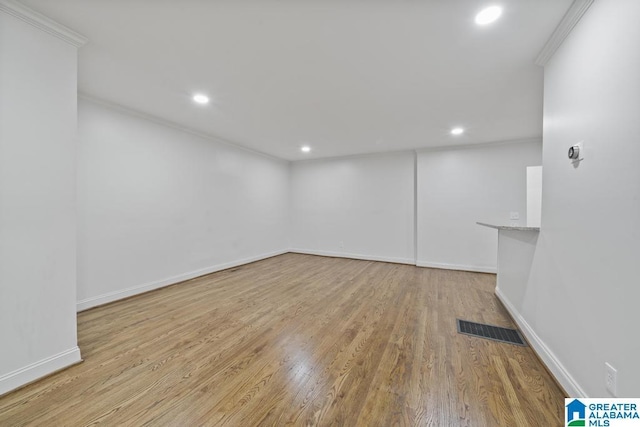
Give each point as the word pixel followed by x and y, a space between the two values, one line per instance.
pixel 297 340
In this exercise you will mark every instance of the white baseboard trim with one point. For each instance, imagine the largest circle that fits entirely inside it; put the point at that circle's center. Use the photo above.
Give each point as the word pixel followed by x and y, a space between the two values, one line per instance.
pixel 552 363
pixel 37 370
pixel 409 261
pixel 461 267
pixel 88 303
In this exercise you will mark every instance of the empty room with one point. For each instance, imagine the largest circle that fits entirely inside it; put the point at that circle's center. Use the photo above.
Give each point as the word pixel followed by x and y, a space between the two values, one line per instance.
pixel 319 212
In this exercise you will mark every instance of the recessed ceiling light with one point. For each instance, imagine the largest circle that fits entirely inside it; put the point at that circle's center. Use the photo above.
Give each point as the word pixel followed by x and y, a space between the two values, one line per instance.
pixel 305 149
pixel 457 131
pixel 200 98
pixel 488 15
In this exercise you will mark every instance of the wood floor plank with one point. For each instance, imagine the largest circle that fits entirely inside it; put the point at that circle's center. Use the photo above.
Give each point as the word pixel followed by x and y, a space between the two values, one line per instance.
pixel 297 340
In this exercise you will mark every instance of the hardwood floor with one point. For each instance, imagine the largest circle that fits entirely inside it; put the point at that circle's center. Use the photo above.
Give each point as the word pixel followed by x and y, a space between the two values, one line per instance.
pixel 297 340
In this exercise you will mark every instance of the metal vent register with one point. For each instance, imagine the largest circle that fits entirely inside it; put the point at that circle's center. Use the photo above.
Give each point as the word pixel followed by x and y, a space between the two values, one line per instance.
pixel 496 333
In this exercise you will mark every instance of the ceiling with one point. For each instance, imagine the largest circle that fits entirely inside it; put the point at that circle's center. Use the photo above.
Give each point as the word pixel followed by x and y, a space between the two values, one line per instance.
pixel 344 77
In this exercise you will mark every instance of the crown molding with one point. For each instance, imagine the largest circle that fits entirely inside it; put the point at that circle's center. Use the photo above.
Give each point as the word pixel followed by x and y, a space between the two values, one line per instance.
pixel 38 20
pixel 170 124
pixel 479 145
pixel 575 12
pixel 410 151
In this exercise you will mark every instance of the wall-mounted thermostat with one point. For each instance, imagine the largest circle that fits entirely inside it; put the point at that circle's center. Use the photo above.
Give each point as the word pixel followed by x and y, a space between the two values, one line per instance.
pixel 576 152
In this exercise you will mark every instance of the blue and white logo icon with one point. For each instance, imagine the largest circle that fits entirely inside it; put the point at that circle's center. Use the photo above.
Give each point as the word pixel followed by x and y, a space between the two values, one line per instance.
pixel 576 413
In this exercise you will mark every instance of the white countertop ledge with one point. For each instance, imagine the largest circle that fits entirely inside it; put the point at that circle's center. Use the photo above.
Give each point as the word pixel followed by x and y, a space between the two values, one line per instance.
pixel 509 227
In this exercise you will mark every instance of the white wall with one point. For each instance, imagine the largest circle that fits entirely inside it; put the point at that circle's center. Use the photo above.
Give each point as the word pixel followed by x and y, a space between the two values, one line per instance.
pixel 534 196
pixel 459 186
pixel 37 203
pixel 158 205
pixel 360 207
pixel 582 296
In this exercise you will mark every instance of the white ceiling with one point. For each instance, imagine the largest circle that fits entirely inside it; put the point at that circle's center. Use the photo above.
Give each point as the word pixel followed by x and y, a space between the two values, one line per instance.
pixel 345 77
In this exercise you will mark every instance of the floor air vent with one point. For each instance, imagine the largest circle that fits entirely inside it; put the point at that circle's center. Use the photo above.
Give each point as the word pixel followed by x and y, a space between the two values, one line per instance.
pixel 511 336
